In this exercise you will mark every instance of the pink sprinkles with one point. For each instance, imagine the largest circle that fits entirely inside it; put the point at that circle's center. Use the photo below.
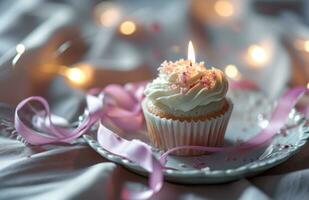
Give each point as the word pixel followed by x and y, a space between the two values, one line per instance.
pixel 186 71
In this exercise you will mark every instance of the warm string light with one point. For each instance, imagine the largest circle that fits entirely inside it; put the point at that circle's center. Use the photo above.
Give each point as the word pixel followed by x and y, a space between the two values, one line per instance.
pixel 224 8
pixel 232 72
pixel 301 45
pixel 110 17
pixel 108 14
pixel 191 53
pixel 258 55
pixel 78 76
pixel 20 49
pixel 127 27
pixel 306 45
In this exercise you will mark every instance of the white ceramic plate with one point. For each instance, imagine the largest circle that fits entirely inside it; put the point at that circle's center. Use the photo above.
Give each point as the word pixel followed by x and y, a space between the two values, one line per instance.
pixel 250 114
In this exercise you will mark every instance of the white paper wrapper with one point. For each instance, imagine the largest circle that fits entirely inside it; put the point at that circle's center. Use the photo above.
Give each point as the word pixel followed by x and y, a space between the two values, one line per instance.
pixel 168 133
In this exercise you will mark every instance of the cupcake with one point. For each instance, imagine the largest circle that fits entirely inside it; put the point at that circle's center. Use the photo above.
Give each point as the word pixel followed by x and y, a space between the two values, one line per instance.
pixel 187 105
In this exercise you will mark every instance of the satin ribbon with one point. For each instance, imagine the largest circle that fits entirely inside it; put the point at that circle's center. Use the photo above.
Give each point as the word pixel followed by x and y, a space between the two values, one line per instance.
pixel 278 118
pixel 121 106
pixel 124 111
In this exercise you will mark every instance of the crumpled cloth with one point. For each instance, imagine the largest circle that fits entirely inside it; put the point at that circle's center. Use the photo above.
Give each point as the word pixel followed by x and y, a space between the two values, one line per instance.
pixel 68 32
pixel 76 171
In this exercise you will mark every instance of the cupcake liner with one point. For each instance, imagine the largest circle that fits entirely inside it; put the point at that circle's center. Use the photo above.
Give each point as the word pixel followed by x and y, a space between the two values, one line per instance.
pixel 168 133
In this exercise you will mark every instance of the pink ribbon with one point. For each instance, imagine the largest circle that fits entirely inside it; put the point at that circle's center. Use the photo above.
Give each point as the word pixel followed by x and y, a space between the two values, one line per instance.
pixel 277 121
pixel 137 152
pixel 242 84
pixel 121 106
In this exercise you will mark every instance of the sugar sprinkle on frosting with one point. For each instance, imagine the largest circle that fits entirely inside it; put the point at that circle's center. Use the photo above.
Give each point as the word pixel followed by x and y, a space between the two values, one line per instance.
pixel 185 70
pixel 182 85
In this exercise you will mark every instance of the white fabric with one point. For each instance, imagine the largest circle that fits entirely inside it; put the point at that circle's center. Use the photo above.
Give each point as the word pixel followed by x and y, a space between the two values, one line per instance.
pixel 76 171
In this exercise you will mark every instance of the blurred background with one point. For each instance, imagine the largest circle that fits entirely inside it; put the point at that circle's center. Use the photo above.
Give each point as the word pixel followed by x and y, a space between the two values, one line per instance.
pixel 60 48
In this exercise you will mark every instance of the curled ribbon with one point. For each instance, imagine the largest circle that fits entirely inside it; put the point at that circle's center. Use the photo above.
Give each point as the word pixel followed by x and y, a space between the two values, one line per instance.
pixel 121 106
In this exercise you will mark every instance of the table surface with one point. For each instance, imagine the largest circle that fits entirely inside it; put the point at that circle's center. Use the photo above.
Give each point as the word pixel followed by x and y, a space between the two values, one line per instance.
pixel 77 172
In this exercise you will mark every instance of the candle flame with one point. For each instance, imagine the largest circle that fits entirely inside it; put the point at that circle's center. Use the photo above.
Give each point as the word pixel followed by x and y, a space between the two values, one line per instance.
pixel 308 85
pixel 191 54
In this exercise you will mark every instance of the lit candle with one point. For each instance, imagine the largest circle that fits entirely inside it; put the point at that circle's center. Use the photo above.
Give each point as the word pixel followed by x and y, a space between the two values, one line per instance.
pixel 191 53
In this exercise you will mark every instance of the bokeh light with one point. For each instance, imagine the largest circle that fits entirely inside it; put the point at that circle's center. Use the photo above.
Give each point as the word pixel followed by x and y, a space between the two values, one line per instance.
pixel 306 45
pixel 224 8
pixel 78 76
pixel 232 72
pixel 20 48
pixel 258 54
pixel 127 27
pixel 110 17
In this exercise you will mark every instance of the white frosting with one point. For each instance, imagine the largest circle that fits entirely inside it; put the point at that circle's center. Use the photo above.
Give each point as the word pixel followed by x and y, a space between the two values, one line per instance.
pixel 183 87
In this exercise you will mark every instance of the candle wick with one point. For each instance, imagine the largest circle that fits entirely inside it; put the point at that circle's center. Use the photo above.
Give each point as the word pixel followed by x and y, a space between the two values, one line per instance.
pixel 190 63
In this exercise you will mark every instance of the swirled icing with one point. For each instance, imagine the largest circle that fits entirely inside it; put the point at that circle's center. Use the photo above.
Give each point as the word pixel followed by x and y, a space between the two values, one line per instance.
pixel 183 86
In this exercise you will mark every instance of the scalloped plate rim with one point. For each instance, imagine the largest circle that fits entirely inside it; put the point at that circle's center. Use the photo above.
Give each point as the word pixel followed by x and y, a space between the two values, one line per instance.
pixel 201 174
